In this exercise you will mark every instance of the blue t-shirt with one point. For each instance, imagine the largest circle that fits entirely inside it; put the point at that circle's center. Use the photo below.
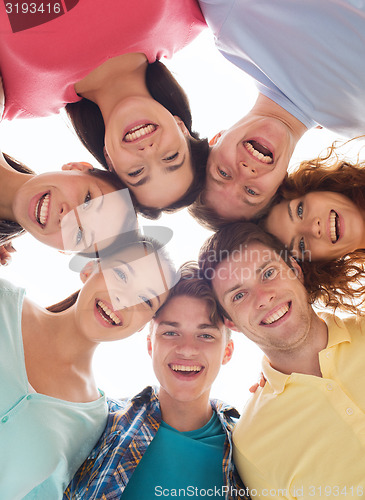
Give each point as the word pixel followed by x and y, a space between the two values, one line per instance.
pixel 186 461
pixel 306 55
pixel 43 440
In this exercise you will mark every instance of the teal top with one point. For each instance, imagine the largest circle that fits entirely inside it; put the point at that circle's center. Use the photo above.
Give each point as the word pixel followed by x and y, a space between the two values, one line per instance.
pixel 189 461
pixel 43 440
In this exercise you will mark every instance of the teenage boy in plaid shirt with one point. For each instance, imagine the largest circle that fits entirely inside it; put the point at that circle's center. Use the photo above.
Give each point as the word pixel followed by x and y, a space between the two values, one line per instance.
pixel 172 439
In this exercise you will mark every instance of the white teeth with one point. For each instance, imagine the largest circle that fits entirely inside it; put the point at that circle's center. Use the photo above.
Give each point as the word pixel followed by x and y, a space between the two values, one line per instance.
pixel 277 315
pixel 137 132
pixel 109 316
pixel 185 368
pixel 41 209
pixel 257 154
pixel 333 230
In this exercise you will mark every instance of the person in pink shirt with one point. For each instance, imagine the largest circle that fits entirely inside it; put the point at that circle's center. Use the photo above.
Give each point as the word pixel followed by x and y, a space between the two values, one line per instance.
pixel 100 60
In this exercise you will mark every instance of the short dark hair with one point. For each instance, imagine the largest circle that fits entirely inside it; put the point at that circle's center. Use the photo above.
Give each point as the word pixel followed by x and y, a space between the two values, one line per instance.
pixel 191 284
pixel 88 123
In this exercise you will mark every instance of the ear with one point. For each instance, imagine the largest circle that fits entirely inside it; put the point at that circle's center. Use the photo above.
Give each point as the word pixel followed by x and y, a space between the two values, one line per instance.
pixel 149 345
pixel 231 325
pixel 216 138
pixel 228 352
pixel 88 270
pixel 108 160
pixel 297 269
pixel 182 125
pixel 81 166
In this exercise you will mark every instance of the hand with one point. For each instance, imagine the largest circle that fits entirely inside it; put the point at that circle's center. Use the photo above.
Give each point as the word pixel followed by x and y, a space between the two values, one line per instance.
pixel 5 251
pixel 258 384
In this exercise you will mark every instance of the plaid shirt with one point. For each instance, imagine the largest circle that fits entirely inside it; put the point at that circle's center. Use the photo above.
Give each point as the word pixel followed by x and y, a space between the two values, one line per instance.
pixel 132 425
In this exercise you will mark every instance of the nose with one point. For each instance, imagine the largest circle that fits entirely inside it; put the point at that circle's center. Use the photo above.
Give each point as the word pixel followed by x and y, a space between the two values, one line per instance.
pixel 63 210
pixel 245 170
pixel 264 296
pixel 148 146
pixel 313 228
pixel 187 348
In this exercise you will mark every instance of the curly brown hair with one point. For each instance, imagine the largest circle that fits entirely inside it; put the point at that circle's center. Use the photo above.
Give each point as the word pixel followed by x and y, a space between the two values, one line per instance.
pixel 338 283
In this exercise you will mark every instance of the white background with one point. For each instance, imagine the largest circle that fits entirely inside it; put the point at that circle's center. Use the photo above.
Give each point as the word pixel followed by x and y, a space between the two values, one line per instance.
pixel 220 95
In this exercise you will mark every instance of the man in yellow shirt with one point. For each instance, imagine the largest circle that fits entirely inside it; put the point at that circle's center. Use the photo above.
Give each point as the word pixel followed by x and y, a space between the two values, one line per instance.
pixel 303 434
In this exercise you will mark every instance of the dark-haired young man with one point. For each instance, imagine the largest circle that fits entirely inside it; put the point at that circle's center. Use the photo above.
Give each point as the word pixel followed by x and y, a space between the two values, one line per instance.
pixel 303 434
pixel 304 58
pixel 172 440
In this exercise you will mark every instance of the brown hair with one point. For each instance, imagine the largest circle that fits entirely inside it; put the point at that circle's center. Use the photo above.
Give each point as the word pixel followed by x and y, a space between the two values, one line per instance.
pixel 192 284
pixel 10 229
pixel 87 120
pixel 234 236
pixel 338 283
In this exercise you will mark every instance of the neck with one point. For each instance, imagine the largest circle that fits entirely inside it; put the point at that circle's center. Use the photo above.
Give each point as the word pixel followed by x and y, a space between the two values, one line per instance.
pixel 268 108
pixel 58 358
pixel 60 335
pixel 304 357
pixel 10 182
pixel 185 416
pixel 116 79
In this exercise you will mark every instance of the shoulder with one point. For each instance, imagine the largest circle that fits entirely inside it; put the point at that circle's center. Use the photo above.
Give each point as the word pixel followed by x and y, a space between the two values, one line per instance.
pixel 227 413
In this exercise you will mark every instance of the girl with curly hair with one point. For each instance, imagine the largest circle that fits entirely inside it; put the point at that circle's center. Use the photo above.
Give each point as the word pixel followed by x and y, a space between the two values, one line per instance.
pixel 321 218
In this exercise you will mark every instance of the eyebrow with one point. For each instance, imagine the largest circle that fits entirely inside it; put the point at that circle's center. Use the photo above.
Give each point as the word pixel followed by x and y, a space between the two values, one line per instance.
pixel 175 324
pixel 169 169
pixel 154 296
pixel 291 244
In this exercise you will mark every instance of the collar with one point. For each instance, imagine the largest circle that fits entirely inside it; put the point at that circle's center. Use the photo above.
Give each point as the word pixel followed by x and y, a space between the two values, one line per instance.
pixel 337 333
pixel 337 329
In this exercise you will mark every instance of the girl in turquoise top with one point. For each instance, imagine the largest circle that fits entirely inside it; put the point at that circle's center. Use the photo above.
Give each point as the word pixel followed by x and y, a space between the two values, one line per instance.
pixel 51 412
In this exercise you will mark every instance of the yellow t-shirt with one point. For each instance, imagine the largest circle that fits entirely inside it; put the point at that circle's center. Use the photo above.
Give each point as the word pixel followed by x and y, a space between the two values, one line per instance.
pixel 303 436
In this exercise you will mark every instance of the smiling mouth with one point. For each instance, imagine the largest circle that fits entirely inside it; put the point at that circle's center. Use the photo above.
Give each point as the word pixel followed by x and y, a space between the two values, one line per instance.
pixel 334 226
pixel 107 314
pixel 41 209
pixel 138 132
pixel 187 370
pixel 258 151
pixel 277 315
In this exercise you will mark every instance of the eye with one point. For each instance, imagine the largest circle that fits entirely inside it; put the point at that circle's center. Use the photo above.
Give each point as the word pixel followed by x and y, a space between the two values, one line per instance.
pixel 146 301
pixel 269 273
pixel 250 191
pixel 136 172
pixel 169 334
pixel 87 200
pixel 301 245
pixel 207 336
pixel 172 157
pixel 120 274
pixel 300 210
pixel 238 296
pixel 223 174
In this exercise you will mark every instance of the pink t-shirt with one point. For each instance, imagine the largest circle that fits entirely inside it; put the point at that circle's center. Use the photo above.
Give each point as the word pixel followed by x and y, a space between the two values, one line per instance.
pixel 44 52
